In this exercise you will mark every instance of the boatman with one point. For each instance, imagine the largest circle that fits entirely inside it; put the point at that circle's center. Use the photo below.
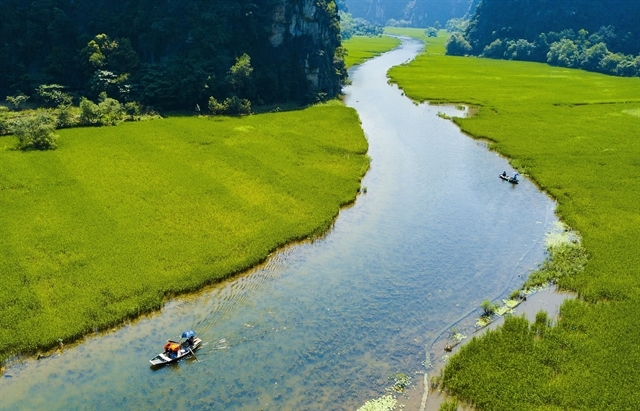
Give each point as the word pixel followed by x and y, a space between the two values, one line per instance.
pixel 515 175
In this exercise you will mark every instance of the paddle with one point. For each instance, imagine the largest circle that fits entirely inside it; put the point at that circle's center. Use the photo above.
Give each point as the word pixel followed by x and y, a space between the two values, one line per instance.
pixel 194 354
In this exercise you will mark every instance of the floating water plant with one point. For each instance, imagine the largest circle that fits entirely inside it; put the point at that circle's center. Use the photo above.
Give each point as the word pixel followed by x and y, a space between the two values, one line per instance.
pixel 384 403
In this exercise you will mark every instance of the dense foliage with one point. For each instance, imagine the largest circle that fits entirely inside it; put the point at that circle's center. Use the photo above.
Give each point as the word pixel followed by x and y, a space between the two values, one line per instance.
pixel 170 54
pixel 592 35
pixel 410 13
pixel 576 134
pixel 118 218
pixel 350 26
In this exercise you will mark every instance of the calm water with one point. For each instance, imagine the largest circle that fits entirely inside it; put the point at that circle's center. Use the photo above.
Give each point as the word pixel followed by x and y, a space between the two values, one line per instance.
pixel 324 324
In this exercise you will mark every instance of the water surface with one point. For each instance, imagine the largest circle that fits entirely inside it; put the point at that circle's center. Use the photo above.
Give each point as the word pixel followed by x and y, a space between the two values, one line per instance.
pixel 323 324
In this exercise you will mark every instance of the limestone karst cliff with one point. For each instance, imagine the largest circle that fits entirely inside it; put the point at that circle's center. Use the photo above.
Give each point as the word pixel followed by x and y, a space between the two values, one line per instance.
pixel 172 54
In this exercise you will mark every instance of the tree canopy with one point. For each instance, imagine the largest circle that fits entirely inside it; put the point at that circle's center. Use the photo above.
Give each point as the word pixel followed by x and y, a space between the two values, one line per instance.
pixel 166 53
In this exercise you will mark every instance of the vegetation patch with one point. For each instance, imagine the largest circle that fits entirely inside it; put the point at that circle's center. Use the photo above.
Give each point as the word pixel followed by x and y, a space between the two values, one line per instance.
pixel 547 120
pixel 116 219
pixel 360 48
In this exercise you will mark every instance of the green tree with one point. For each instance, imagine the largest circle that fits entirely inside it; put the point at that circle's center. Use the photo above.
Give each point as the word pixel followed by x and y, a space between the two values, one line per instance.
pixel 53 95
pixel 36 132
pixel 564 53
pixel 240 76
pixel 17 102
pixel 216 107
pixel 592 57
pixel 457 45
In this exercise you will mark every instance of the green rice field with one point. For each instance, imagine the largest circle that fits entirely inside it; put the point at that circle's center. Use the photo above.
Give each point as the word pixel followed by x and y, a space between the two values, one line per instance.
pixel 577 134
pixel 361 48
pixel 119 218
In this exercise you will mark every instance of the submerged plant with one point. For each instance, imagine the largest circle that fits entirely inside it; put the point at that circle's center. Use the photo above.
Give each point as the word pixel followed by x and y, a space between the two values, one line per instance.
pixel 401 382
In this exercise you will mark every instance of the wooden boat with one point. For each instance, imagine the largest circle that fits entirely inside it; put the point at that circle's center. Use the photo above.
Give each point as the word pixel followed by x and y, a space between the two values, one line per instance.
pixel 176 350
pixel 512 180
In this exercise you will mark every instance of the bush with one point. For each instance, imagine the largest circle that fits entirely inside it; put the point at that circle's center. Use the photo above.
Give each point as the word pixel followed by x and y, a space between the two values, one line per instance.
pixel 216 107
pixel 111 111
pixel 132 109
pixel 236 105
pixel 431 32
pixel 36 132
pixel 65 117
pixel 488 307
pixel 495 50
pixel 89 112
pixel 457 45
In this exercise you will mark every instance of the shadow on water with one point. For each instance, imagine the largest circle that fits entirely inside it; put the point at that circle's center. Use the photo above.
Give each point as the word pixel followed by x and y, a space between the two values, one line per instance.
pixel 323 324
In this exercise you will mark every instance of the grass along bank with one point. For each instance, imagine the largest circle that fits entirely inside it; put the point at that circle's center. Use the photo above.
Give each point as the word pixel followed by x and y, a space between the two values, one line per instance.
pixel 576 134
pixel 118 218
pixel 360 48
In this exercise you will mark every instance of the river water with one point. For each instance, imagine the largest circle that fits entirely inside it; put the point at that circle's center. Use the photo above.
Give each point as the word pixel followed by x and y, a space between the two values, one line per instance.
pixel 324 324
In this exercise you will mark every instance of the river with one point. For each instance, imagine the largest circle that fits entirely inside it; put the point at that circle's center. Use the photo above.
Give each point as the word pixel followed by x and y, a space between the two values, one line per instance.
pixel 325 323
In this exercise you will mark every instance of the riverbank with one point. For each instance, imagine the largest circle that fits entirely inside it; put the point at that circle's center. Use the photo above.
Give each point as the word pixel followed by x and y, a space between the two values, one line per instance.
pixel 360 49
pixel 118 219
pixel 575 134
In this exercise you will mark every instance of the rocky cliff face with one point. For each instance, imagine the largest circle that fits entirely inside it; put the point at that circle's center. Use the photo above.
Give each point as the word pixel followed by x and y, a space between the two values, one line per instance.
pixel 182 50
pixel 310 29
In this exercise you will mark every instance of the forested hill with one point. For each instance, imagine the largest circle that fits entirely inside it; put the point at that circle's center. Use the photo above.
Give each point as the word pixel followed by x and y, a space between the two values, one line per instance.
pixel 172 53
pixel 416 13
pixel 527 19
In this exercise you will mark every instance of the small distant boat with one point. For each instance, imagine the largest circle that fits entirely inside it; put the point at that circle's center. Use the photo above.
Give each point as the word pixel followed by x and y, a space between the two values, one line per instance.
pixel 512 180
pixel 176 350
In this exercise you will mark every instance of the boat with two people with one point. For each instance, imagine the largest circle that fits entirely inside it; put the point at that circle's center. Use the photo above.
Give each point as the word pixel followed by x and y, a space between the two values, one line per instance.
pixel 512 180
pixel 176 350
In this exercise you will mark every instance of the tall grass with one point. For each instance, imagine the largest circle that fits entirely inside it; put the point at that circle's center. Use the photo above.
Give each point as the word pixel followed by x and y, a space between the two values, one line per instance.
pixel 576 134
pixel 119 218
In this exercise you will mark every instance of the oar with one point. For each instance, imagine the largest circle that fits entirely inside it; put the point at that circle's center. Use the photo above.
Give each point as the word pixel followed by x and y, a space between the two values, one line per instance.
pixel 194 354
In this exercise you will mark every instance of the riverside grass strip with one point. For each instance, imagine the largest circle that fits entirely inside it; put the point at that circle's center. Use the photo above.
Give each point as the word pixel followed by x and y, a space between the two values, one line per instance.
pixel 575 134
pixel 361 48
pixel 119 218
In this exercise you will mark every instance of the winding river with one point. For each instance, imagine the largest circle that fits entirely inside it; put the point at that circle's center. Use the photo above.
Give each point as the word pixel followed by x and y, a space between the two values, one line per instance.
pixel 324 324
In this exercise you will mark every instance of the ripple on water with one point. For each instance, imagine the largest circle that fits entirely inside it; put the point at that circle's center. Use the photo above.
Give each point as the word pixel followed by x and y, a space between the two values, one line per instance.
pixel 323 324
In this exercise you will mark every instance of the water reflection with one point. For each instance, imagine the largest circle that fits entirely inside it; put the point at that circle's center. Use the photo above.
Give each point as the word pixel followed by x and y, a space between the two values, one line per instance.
pixel 323 324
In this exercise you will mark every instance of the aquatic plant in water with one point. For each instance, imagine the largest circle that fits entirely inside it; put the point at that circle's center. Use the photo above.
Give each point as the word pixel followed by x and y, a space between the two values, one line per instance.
pixel 384 403
pixel 401 382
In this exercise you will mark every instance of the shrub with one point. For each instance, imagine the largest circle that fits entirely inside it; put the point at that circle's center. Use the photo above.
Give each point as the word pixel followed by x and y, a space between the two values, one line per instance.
pixel 65 117
pixel 89 112
pixel 431 32
pixel 110 111
pixel 488 307
pixel 132 109
pixel 36 132
pixel 216 107
pixel 495 50
pixel 457 45
pixel 236 105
